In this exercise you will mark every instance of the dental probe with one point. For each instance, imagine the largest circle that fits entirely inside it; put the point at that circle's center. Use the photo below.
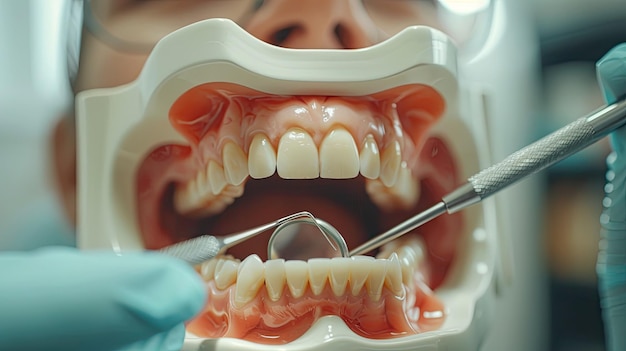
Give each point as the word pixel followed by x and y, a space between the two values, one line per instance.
pixel 205 247
pixel 522 163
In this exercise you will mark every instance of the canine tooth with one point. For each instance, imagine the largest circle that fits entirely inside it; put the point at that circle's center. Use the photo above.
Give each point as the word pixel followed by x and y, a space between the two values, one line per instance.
pixel 297 277
pixel 207 269
pixel 297 156
pixel 319 268
pixel 339 156
pixel 216 177
pixel 369 158
pixel 275 278
pixel 390 164
pixel 360 266
pixel 201 184
pixel 376 279
pixel 235 163
pixel 406 189
pixel 403 195
pixel 408 264
pixel 225 273
pixel 393 278
pixel 250 277
pixel 261 157
pixel 411 256
pixel 379 194
pixel 414 250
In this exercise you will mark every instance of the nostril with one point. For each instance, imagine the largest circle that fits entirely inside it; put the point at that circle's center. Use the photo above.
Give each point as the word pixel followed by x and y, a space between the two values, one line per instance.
pixel 280 36
pixel 342 36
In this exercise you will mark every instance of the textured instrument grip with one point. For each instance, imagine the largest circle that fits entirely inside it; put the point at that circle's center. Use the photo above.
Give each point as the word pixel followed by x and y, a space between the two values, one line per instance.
pixel 534 157
pixel 194 251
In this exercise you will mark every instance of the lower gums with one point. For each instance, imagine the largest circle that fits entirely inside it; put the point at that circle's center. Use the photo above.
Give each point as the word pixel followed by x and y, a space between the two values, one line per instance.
pixel 278 322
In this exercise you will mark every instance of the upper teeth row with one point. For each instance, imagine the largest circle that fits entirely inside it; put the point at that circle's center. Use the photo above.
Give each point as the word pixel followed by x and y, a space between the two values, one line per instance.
pixel 343 275
pixel 298 157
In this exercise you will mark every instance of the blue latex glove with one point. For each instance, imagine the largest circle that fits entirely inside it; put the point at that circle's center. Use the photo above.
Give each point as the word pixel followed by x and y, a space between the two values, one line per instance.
pixel 611 265
pixel 64 299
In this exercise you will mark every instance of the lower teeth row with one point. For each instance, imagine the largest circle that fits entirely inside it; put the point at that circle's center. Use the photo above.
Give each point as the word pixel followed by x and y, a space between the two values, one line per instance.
pixel 344 275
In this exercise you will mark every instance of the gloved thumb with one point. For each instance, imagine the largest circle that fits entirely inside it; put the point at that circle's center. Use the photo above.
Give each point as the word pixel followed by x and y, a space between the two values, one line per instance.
pixel 64 299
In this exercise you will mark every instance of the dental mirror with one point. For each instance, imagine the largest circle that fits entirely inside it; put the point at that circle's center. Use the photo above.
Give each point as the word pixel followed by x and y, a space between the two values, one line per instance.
pixel 297 236
pixel 304 238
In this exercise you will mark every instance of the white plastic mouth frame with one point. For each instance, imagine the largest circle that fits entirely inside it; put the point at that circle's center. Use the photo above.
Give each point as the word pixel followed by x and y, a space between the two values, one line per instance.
pixel 112 142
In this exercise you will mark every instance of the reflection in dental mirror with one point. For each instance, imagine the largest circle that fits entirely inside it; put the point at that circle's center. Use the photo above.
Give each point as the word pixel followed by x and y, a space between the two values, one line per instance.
pixel 303 239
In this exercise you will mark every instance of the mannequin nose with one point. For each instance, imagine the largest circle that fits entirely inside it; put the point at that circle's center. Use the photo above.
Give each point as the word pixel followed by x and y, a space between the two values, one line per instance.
pixel 313 24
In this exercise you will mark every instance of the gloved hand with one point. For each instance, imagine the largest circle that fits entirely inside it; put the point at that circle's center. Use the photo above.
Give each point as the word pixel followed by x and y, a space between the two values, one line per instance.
pixel 64 299
pixel 611 265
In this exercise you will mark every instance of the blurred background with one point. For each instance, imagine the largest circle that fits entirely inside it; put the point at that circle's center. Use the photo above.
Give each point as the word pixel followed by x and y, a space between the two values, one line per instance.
pixel 34 92
pixel 566 38
pixel 573 35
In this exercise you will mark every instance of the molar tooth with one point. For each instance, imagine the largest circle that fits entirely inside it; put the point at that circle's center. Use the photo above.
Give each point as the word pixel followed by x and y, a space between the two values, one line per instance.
pixel 250 277
pixel 360 266
pixel 207 269
pixel 319 268
pixel 261 157
pixel 275 278
pixel 297 156
pixel 235 163
pixel 393 278
pixel 297 275
pixel 376 279
pixel 186 197
pixel 391 160
pixel 339 156
pixel 195 197
pixel 339 273
pixel 216 177
pixel 233 191
pixel 225 273
pixel 370 158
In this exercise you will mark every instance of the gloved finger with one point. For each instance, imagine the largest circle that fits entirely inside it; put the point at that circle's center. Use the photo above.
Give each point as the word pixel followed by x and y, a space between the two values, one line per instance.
pixel 611 71
pixel 611 266
pixel 171 340
pixel 71 300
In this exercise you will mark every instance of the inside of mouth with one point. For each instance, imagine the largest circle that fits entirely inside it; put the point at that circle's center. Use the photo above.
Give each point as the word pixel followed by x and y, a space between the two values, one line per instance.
pixel 363 164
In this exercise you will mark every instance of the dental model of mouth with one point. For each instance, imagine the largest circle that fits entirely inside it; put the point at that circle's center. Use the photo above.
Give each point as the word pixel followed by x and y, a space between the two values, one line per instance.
pixel 237 137
pixel 236 133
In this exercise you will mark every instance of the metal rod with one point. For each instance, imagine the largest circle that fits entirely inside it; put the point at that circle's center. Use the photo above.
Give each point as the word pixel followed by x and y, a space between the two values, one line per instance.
pixel 401 229
pixel 529 160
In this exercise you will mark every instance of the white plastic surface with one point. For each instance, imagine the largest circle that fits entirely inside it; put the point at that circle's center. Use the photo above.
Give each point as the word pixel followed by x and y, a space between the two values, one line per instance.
pixel 112 142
